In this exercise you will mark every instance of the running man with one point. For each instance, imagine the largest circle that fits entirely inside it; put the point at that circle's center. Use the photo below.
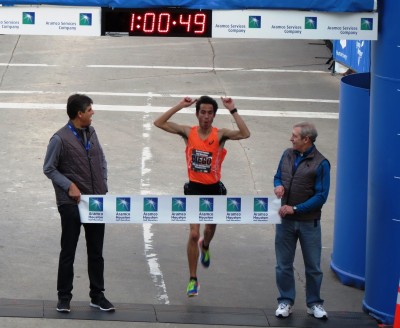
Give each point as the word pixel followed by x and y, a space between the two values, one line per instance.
pixel 205 153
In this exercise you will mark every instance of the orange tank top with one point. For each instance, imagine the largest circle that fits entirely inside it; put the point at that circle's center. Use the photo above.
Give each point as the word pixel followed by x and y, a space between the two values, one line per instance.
pixel 204 157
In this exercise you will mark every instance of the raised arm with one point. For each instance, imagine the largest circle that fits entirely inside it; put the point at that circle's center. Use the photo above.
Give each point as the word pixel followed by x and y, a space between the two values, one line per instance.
pixel 163 122
pixel 243 131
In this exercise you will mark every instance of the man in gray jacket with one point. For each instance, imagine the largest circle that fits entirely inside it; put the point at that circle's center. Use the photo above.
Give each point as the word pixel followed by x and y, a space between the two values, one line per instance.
pixel 76 165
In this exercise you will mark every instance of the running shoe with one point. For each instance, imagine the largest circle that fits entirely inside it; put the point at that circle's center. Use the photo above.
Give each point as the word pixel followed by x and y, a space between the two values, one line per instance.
pixel 63 306
pixel 205 258
pixel 193 288
pixel 284 310
pixel 102 303
pixel 318 311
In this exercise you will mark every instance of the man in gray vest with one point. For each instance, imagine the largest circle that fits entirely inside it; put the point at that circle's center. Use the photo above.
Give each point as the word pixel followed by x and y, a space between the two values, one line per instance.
pixel 302 183
pixel 76 165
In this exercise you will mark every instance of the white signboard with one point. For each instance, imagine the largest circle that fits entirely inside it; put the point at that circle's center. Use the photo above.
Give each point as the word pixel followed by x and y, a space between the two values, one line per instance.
pixel 179 209
pixel 48 20
pixel 288 24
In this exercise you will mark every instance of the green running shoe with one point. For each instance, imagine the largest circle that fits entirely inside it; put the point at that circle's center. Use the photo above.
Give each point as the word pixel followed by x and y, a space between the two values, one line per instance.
pixel 205 258
pixel 193 288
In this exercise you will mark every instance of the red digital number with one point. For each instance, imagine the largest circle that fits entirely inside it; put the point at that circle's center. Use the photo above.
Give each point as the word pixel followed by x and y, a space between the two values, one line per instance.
pixel 132 26
pixel 186 22
pixel 163 23
pixel 149 22
pixel 200 21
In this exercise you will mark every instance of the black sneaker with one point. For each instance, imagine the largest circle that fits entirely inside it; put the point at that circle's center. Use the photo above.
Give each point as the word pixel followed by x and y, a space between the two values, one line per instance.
pixel 102 303
pixel 63 306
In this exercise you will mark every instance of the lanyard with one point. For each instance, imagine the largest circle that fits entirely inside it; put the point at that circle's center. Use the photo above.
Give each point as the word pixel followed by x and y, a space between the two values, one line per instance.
pixel 85 144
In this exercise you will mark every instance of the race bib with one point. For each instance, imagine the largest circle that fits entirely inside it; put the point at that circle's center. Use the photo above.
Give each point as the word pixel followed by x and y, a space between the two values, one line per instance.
pixel 201 161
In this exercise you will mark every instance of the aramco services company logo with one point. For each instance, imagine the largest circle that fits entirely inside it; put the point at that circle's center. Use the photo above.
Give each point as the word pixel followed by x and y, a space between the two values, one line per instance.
pixel 206 204
pixel 178 204
pixel 85 19
pixel 150 204
pixel 260 204
pixel 96 204
pixel 28 18
pixel 123 204
pixel 254 21
pixel 310 23
pixel 233 204
pixel 367 24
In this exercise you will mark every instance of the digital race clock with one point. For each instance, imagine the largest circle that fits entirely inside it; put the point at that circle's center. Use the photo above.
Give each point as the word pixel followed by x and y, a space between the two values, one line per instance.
pixel 179 22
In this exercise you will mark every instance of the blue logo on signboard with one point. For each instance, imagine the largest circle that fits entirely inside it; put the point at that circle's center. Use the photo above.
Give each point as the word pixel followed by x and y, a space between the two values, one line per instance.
pixel 96 204
pixel 123 204
pixel 367 24
pixel 260 204
pixel 150 204
pixel 178 204
pixel 233 204
pixel 85 19
pixel 206 204
pixel 310 23
pixel 28 18
pixel 254 21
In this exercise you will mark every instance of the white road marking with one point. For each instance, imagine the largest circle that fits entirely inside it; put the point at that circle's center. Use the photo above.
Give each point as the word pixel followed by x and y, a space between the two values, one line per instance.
pixel 264 70
pixel 154 109
pixel 163 95
pixel 26 65
pixel 151 257
pixel 191 68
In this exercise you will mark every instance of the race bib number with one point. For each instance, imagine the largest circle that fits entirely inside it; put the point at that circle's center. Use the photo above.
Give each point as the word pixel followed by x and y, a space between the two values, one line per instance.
pixel 201 161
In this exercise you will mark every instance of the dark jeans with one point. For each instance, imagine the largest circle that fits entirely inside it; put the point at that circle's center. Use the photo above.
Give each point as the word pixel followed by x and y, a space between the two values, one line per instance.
pixel 94 233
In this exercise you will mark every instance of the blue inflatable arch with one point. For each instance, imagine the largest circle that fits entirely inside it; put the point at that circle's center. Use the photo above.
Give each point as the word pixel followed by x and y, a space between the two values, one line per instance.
pixel 314 5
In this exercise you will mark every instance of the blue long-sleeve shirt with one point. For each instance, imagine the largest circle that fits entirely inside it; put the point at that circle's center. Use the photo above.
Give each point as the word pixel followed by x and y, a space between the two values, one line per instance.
pixel 322 183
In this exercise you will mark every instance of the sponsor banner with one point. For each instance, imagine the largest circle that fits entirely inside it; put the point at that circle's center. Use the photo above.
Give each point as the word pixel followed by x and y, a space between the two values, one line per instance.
pixel 355 54
pixel 179 209
pixel 48 20
pixel 288 24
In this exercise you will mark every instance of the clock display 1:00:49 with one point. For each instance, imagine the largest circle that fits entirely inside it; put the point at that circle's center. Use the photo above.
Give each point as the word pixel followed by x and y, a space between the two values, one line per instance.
pixel 168 22
pixel 165 22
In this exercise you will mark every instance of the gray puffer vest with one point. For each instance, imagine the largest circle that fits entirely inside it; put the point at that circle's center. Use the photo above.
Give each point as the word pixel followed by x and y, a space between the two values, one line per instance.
pixel 299 184
pixel 84 168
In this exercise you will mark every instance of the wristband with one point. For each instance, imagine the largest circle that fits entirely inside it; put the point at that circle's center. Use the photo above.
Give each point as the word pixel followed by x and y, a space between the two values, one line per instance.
pixel 233 111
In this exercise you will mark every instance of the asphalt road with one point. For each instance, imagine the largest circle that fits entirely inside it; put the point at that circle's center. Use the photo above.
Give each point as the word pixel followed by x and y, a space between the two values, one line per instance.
pixel 275 83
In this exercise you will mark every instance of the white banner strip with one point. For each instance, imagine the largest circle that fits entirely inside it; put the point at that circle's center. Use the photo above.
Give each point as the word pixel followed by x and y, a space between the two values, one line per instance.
pixel 294 24
pixel 179 209
pixel 50 20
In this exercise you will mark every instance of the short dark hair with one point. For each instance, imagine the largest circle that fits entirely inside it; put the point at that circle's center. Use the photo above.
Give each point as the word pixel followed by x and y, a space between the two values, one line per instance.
pixel 307 129
pixel 77 103
pixel 206 100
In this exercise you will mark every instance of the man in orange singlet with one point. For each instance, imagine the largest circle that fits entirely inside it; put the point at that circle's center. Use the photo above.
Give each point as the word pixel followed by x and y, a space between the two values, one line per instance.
pixel 205 153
